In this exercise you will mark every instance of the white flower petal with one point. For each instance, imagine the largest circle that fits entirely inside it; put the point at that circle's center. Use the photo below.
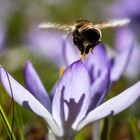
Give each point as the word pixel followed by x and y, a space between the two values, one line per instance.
pixel 114 105
pixel 26 99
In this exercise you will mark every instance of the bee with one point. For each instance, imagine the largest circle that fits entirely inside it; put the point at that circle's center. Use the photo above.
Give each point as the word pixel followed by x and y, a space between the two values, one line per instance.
pixel 86 35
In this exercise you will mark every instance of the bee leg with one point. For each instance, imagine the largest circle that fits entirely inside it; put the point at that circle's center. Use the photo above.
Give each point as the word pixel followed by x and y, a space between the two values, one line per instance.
pixel 88 48
pixel 91 47
pixel 83 56
pixel 91 50
pixel 68 35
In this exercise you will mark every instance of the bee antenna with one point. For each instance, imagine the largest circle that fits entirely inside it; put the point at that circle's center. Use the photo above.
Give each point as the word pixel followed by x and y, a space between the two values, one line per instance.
pixel 13 104
pixel 68 35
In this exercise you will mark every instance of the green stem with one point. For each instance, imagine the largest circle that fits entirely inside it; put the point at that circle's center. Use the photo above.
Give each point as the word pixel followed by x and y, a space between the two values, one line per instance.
pixel 105 134
pixel 133 124
pixel 6 124
pixel 95 131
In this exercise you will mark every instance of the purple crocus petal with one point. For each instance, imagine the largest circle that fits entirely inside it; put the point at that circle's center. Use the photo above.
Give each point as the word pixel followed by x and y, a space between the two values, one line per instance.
pixel 99 53
pixel 73 90
pixel 26 99
pixel 113 106
pixel 99 70
pixel 35 86
pixel 70 53
pixel 99 88
pixel 124 38
pixel 48 44
pixel 97 61
pixel 130 8
pixel 52 92
pixel 133 69
pixel 124 44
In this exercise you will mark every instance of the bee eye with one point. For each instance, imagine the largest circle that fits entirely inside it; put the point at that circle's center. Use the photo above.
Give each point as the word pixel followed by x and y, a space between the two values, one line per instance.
pixel 92 35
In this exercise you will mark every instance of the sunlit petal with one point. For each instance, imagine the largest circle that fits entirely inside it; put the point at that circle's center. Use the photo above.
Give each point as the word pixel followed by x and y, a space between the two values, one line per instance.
pixel 120 64
pixel 73 92
pixel 114 105
pixel 35 86
pixel 26 99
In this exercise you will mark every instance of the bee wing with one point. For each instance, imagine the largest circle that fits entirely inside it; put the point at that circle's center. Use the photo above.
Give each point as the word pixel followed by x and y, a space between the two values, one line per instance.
pixel 67 28
pixel 113 23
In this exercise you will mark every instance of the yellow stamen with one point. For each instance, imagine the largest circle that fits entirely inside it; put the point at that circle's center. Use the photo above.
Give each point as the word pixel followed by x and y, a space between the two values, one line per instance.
pixel 62 69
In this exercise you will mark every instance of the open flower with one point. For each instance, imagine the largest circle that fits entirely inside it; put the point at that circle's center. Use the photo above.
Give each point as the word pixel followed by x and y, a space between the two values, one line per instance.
pixel 70 107
pixel 117 59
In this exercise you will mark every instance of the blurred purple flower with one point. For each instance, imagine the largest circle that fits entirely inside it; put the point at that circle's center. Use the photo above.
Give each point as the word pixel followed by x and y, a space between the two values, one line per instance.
pixel 74 101
pixel 125 8
pixel 130 9
pixel 48 44
pixel 133 69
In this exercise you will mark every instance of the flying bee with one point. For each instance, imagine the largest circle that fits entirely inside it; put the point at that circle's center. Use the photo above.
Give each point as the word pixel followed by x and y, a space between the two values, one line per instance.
pixel 86 35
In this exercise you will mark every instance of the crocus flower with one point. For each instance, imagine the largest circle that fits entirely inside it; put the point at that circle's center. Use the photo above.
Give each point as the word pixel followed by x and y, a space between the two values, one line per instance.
pixel 69 108
pixel 118 58
pixel 132 11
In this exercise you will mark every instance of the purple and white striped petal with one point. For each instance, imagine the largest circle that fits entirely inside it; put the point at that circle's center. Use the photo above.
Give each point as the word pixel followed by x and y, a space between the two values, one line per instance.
pixel 35 86
pixel 99 69
pixel 113 106
pixel 73 91
pixel 99 88
pixel 26 99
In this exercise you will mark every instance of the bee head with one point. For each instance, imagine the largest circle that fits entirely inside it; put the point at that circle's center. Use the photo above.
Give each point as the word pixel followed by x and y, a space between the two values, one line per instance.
pixel 92 35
